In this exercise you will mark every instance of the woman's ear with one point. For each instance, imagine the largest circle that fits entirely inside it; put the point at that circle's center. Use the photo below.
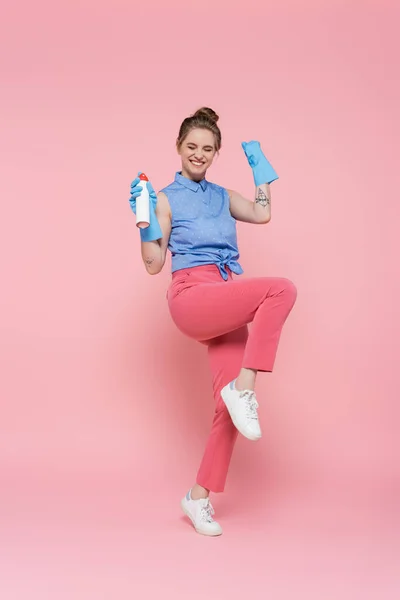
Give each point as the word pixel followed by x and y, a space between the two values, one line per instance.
pixel 178 147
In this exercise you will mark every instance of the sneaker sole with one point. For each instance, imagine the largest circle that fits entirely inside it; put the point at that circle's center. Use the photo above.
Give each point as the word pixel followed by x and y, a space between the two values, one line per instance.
pixel 202 532
pixel 252 438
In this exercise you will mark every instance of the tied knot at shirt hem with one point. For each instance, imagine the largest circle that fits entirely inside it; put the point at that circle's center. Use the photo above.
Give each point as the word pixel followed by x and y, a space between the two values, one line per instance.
pixel 232 266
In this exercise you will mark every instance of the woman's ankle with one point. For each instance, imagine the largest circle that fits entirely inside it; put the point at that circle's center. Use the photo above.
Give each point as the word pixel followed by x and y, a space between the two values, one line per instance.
pixel 246 380
pixel 199 492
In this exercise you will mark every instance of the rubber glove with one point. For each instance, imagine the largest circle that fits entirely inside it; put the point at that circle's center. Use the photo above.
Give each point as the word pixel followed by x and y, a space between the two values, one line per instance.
pixel 153 231
pixel 263 171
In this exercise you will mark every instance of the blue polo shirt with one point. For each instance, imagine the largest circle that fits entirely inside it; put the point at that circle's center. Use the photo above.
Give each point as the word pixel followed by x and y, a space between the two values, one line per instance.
pixel 203 229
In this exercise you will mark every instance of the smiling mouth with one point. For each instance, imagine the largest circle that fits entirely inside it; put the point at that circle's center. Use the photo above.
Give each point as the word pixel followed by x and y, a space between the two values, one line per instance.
pixel 196 163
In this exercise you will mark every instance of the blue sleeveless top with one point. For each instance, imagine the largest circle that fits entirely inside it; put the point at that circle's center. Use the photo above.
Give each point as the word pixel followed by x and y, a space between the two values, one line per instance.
pixel 203 229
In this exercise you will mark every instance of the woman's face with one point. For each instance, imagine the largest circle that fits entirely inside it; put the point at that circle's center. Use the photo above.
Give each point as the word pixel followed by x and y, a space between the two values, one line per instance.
pixel 197 153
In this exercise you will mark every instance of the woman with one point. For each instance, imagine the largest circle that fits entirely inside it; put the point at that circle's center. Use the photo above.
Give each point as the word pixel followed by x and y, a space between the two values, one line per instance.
pixel 196 220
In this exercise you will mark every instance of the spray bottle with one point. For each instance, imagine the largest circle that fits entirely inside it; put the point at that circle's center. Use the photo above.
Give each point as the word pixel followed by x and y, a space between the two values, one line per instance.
pixel 143 204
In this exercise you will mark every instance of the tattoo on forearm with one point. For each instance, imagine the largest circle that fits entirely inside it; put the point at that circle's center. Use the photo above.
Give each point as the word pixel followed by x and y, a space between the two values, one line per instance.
pixel 262 198
pixel 149 261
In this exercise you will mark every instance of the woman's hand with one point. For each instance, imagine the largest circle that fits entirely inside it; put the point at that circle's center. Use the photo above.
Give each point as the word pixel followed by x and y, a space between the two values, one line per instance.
pixel 153 231
pixel 263 171
pixel 136 190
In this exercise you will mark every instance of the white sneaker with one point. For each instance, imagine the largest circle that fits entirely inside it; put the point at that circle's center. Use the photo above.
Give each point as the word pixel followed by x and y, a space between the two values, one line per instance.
pixel 200 512
pixel 242 407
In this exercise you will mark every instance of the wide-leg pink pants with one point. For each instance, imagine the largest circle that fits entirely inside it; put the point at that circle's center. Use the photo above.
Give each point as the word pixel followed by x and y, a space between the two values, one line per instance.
pixel 216 312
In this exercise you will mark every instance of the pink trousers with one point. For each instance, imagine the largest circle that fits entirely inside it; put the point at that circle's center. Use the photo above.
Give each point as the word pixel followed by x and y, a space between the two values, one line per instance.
pixel 217 312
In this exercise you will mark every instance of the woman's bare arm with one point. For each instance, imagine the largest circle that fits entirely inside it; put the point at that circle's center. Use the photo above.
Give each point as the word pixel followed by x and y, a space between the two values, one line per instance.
pixel 154 253
pixel 248 211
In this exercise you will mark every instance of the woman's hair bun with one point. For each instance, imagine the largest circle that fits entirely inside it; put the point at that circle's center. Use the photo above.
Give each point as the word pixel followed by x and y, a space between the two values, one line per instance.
pixel 207 113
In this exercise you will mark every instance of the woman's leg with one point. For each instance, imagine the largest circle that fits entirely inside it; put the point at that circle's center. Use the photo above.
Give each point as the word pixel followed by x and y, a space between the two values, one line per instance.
pixel 204 311
pixel 225 356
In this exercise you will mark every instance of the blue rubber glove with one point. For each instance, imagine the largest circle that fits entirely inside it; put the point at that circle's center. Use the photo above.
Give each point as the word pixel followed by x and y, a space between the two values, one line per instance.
pixel 153 231
pixel 263 171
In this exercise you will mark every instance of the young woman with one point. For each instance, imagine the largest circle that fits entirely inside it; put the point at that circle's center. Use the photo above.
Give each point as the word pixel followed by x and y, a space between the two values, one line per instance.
pixel 196 220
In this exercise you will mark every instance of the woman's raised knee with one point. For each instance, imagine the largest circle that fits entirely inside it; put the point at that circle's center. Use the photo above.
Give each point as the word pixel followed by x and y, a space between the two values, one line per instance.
pixel 289 289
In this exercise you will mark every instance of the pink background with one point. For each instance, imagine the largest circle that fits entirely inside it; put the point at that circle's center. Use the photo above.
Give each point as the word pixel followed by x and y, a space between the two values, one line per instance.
pixel 105 406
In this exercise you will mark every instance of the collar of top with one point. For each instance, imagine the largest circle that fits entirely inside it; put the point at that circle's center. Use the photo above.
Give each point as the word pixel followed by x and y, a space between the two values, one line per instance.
pixel 190 184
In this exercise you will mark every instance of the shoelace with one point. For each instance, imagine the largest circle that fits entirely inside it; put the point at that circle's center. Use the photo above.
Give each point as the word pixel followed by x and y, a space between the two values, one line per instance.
pixel 251 404
pixel 207 512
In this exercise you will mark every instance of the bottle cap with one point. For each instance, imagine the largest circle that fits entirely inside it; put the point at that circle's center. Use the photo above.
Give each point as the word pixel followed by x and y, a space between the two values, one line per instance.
pixel 143 177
